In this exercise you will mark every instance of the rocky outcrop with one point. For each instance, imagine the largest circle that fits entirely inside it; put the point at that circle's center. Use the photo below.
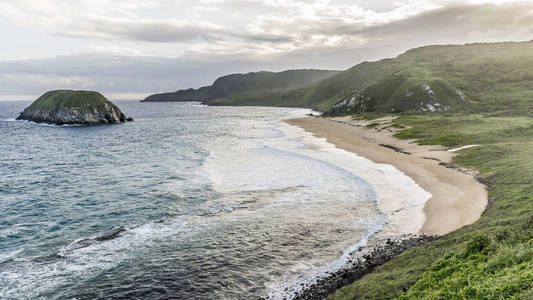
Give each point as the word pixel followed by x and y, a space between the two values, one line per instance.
pixel 73 107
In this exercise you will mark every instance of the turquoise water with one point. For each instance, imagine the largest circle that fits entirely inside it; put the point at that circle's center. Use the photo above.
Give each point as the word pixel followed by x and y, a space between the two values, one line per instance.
pixel 207 202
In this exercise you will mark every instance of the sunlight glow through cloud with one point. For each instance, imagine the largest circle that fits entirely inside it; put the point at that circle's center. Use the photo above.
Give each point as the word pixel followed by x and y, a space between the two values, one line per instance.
pixel 259 34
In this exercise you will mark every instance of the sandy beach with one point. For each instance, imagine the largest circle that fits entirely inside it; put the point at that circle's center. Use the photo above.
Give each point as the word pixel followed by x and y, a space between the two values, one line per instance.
pixel 458 199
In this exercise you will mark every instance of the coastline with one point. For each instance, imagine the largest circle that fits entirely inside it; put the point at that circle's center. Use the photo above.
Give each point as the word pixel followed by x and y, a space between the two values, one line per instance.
pixel 362 263
pixel 457 198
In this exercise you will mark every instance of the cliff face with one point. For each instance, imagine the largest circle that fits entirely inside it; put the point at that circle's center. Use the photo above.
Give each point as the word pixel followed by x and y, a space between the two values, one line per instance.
pixel 73 107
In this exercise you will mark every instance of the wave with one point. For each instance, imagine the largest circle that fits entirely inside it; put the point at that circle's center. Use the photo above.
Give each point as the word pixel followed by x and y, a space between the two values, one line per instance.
pixel 287 289
pixel 246 182
pixel 399 196
pixel 43 124
pixel 82 258
pixel 391 186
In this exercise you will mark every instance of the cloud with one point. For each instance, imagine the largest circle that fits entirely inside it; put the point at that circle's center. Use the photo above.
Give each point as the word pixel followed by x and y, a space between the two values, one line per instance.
pixel 270 25
pixel 173 45
pixel 460 23
pixel 113 73
pixel 142 30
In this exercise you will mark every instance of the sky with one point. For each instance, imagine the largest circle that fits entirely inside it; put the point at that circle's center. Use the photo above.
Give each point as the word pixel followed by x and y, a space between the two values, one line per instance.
pixel 127 49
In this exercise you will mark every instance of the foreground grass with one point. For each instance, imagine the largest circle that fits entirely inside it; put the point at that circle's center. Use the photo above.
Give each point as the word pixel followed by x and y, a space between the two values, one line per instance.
pixel 491 259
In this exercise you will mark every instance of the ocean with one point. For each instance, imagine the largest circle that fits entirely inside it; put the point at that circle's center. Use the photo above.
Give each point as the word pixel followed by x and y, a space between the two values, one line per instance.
pixel 187 202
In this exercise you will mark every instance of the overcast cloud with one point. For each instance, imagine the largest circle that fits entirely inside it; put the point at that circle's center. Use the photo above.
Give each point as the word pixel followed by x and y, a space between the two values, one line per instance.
pixel 146 46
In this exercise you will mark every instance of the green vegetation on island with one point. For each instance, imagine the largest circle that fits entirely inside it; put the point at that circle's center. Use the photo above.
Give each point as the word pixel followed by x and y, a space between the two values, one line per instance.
pixel 245 84
pixel 73 107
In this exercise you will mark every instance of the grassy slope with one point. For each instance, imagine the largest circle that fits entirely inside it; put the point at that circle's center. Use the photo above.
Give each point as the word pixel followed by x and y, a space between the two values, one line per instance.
pixel 321 95
pixel 81 100
pixel 489 76
pixel 491 259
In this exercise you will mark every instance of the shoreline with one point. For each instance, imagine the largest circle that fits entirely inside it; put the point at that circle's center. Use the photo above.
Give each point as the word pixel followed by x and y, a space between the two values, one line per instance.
pixel 457 198
pixel 364 261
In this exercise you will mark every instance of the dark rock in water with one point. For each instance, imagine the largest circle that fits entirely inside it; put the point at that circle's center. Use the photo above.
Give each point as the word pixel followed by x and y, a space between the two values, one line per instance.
pixel 73 107
pixel 111 234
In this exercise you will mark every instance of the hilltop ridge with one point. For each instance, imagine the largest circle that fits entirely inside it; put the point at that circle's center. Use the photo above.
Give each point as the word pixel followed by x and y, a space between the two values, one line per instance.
pixel 479 78
pixel 235 84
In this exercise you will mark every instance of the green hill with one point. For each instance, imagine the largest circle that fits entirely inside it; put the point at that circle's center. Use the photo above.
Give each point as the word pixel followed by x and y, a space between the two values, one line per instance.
pixel 236 84
pixel 200 94
pixel 492 258
pixel 473 77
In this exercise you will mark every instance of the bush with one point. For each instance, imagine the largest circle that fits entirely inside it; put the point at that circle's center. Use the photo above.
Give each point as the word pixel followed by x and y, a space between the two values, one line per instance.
pixel 479 244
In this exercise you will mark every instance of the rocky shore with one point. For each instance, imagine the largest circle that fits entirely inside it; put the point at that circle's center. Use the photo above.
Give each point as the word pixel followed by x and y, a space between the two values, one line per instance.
pixel 363 262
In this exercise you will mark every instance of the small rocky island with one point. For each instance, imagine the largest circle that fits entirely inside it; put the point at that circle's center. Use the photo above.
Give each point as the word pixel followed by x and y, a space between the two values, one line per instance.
pixel 73 107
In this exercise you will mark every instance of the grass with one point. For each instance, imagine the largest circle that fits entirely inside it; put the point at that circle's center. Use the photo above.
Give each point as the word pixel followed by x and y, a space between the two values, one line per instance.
pixel 372 125
pixel 369 116
pixel 490 259
pixel 460 130
pixel 81 100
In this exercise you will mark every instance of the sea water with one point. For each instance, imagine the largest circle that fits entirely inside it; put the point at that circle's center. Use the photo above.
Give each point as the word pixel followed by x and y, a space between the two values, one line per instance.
pixel 205 203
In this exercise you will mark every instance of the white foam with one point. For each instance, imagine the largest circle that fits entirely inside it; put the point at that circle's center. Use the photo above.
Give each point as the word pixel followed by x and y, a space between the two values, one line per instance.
pixel 7 256
pixel 287 289
pixel 400 198
pixel 44 124
pixel 319 175
pixel 78 263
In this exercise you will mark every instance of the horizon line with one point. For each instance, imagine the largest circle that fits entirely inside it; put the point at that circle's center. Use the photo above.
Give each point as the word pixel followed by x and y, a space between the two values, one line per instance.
pixel 110 96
